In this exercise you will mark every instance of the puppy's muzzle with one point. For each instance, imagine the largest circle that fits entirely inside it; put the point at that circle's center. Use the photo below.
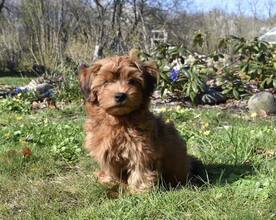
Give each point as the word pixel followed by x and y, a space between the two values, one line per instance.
pixel 120 97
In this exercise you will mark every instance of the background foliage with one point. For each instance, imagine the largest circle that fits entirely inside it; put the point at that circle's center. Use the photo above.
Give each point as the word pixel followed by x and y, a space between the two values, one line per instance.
pixel 38 33
pixel 236 67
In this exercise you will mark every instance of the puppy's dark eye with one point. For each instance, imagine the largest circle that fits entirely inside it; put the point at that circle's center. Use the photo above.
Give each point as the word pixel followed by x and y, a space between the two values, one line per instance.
pixel 105 82
pixel 133 82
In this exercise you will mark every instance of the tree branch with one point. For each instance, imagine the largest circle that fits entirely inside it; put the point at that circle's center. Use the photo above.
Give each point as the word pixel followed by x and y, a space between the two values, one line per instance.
pixel 2 5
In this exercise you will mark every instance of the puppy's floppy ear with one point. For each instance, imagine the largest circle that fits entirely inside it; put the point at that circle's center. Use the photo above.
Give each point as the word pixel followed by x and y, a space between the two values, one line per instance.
pixel 151 74
pixel 149 69
pixel 86 77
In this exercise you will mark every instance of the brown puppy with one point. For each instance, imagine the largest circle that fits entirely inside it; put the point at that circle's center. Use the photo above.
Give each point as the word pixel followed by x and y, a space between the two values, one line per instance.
pixel 131 145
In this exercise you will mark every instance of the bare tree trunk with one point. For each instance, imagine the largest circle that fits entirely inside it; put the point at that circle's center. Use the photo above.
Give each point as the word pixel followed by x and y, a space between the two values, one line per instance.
pixel 145 33
pixel 2 3
pixel 137 19
pixel 98 51
pixel 270 6
pixel 254 9
pixel 117 43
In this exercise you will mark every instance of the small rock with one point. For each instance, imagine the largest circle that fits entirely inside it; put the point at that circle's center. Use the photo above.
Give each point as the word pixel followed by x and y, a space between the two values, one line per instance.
pixel 262 102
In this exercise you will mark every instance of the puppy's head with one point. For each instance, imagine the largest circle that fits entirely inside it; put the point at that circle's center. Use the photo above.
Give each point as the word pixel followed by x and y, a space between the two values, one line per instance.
pixel 119 85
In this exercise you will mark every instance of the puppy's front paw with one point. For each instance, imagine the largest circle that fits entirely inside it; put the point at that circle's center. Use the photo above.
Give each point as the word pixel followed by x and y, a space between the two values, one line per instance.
pixel 140 182
pixel 133 190
pixel 104 178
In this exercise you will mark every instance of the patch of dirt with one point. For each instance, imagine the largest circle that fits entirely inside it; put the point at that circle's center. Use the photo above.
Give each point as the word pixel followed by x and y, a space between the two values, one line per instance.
pixel 5 89
pixel 171 101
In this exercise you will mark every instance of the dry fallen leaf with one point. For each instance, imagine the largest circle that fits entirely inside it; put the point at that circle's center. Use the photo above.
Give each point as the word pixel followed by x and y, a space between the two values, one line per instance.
pixel 266 152
pixel 26 151
pixel 35 105
pixel 52 104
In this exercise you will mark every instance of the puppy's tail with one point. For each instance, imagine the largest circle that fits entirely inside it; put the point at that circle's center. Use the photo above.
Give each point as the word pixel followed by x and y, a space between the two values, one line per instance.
pixel 197 173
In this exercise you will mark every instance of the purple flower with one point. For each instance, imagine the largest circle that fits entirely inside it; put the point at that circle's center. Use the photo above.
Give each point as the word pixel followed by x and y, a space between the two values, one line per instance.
pixel 174 74
pixel 21 90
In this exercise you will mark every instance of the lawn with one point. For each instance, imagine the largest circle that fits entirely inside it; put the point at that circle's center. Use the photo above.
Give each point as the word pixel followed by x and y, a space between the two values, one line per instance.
pixel 15 81
pixel 55 179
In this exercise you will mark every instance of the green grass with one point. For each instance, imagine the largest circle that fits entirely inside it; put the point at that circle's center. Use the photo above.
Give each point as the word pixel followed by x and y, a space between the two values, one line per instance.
pixel 50 184
pixel 15 81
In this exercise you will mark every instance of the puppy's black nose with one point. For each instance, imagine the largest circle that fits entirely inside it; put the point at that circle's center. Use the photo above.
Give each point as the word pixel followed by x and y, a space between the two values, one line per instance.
pixel 120 97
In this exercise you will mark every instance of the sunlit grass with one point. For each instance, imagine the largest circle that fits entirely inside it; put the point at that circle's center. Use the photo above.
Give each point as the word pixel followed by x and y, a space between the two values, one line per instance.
pixel 238 152
pixel 15 81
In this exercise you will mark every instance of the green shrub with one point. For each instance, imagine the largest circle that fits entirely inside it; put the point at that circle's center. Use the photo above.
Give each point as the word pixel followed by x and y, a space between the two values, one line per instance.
pixel 16 104
pixel 63 140
pixel 235 64
pixel 69 149
pixel 68 85
pixel 177 73
pixel 256 61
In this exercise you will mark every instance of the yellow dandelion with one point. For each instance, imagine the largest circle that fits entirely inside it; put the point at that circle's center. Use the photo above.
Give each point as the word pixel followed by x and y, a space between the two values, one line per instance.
pixel 19 118
pixel 7 135
pixel 178 108
pixel 253 115
pixel 23 142
pixel 168 120
pixel 206 133
pixel 205 125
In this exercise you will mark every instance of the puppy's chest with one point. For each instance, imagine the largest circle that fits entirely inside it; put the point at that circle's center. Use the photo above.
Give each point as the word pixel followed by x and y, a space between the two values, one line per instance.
pixel 124 144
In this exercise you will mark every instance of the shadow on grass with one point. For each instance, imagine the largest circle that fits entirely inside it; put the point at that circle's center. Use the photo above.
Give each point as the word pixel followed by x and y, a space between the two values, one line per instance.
pixel 221 174
pixel 210 174
pixel 14 73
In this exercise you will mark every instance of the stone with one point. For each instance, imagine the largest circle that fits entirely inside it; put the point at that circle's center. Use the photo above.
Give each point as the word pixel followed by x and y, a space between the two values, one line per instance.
pixel 262 102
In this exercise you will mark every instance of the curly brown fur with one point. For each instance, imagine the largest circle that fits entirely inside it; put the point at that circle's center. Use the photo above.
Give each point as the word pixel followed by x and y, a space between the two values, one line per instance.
pixel 131 145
